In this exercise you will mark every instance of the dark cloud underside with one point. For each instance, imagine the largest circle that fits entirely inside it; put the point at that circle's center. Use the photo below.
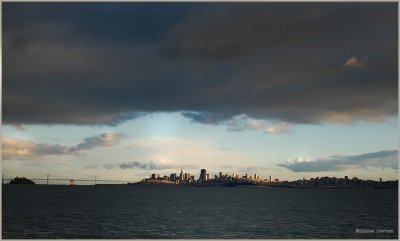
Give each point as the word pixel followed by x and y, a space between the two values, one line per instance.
pixel 103 63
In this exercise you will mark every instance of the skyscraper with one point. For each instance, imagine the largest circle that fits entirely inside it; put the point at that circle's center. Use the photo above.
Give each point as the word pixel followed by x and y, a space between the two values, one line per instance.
pixel 186 176
pixel 181 176
pixel 203 175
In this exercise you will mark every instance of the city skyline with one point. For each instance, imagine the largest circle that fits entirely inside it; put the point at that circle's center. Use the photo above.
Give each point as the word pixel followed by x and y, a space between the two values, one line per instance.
pixel 235 180
pixel 126 90
pixel 183 176
pixel 204 176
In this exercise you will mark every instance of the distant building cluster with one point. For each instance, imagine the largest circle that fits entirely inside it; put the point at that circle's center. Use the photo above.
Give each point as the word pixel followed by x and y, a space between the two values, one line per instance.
pixel 204 177
pixel 233 179
pixel 335 182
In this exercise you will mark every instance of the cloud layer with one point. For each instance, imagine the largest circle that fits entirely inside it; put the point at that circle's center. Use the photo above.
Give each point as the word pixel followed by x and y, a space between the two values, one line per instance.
pixel 381 159
pixel 239 122
pixel 159 164
pixel 13 148
pixel 104 63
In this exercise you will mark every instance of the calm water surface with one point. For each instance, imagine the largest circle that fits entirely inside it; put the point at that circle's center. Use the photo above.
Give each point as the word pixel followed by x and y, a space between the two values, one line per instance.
pixel 134 212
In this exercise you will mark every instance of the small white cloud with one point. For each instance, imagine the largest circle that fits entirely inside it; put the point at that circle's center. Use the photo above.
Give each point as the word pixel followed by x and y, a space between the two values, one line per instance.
pixel 278 128
pixel 299 160
pixel 356 62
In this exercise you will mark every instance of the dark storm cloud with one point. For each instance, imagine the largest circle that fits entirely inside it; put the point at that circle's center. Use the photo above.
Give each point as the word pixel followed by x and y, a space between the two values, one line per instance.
pixel 381 159
pixel 103 63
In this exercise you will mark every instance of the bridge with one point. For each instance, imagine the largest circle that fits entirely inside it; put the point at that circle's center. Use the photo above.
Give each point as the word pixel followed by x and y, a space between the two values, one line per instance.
pixel 68 181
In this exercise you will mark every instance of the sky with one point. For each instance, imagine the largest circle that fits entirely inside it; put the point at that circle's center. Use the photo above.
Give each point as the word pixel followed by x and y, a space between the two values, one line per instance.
pixel 123 90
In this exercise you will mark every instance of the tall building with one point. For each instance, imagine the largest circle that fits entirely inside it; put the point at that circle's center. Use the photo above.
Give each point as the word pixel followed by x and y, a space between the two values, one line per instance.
pixel 203 175
pixel 181 176
pixel 186 176
pixel 172 177
pixel 270 178
pixel 220 175
pixel 208 176
pixel 153 176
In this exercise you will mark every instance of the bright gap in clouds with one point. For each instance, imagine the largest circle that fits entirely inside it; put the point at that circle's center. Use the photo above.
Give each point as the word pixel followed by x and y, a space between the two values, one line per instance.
pixel 151 142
